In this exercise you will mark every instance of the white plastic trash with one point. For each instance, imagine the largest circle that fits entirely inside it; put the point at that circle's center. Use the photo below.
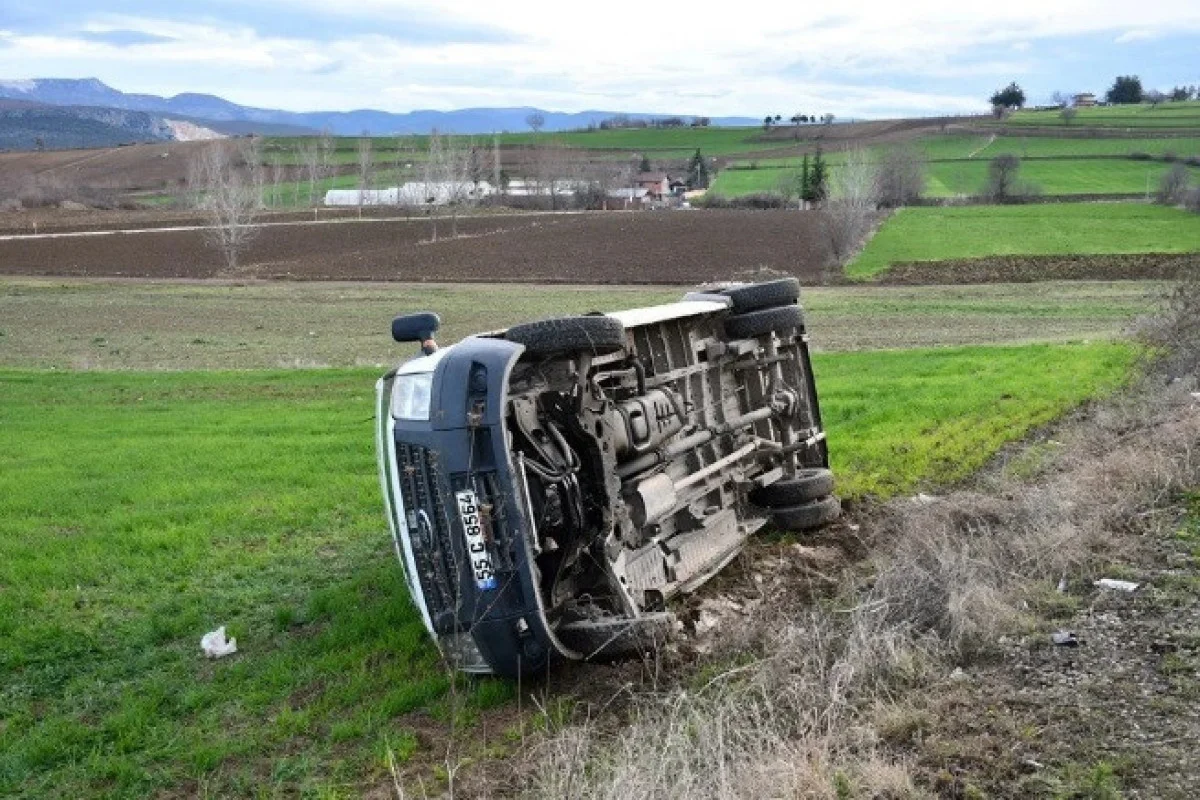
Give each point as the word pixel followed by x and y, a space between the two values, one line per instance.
pixel 1120 586
pixel 215 645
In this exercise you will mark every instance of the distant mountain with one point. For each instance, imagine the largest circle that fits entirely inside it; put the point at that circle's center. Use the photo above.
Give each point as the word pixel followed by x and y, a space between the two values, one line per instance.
pixel 29 126
pixel 211 110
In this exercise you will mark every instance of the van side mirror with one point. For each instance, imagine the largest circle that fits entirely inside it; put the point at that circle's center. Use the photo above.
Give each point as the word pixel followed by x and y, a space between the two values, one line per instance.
pixel 418 327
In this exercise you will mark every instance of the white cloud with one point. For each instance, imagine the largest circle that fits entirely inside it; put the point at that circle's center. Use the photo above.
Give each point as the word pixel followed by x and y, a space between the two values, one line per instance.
pixel 1137 35
pixel 863 60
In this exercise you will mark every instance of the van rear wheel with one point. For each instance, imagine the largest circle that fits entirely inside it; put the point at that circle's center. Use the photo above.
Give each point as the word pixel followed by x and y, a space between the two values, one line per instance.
pixel 809 484
pixel 807 516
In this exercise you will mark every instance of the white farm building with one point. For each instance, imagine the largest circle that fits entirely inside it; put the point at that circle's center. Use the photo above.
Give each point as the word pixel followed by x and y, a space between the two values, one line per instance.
pixel 416 193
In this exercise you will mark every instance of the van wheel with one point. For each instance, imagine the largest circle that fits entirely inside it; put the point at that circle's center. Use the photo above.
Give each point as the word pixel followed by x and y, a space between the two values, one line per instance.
pixel 807 516
pixel 756 323
pixel 808 485
pixel 595 334
pixel 753 296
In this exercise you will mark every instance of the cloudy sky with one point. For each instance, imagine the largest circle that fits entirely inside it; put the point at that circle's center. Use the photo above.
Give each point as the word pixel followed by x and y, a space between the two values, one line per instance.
pixel 853 59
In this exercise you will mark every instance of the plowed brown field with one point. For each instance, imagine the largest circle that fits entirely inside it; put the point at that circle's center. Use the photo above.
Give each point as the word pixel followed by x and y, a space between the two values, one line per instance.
pixel 644 247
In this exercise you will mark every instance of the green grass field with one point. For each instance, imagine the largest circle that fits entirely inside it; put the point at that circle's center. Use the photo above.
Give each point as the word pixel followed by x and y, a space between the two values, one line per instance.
pixel 1144 115
pixel 934 234
pixel 901 421
pixel 385 150
pixel 1051 147
pixel 950 178
pixel 765 180
pixel 138 511
pixel 1053 176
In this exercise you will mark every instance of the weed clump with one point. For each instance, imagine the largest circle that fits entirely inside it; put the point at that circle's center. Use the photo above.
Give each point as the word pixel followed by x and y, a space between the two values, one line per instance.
pixel 1173 336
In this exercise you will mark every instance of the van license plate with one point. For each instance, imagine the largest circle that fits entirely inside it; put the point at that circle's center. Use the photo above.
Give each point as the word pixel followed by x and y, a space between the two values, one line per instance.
pixel 477 552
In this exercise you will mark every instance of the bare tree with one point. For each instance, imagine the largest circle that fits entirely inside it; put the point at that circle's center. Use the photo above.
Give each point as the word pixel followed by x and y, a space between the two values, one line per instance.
pixel 1173 187
pixel 399 162
pixel 278 170
pixel 310 162
pixel 1068 114
pixel 496 162
pixel 248 158
pixel 457 181
pixel 326 157
pixel 1061 99
pixel 900 176
pixel 229 198
pixel 430 176
pixel 553 163
pixel 1002 178
pixel 366 169
pixel 536 121
pixel 591 182
pixel 328 149
pixel 1191 200
pixel 788 186
pixel 853 199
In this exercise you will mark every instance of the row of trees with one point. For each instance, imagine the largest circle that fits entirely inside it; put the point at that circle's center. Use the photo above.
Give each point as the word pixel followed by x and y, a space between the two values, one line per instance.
pixel 797 120
pixel 537 120
pixel 1126 89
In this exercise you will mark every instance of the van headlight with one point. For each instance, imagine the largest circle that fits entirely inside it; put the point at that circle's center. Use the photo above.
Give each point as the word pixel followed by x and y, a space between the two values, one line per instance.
pixel 411 395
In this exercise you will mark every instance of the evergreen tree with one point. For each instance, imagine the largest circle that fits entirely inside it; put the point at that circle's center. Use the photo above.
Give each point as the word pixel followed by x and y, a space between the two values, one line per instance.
pixel 1011 96
pixel 805 180
pixel 819 178
pixel 697 172
pixel 1125 89
pixel 645 165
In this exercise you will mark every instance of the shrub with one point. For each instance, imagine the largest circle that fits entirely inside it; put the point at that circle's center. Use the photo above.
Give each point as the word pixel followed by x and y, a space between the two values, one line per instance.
pixel 759 200
pixel 1173 335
